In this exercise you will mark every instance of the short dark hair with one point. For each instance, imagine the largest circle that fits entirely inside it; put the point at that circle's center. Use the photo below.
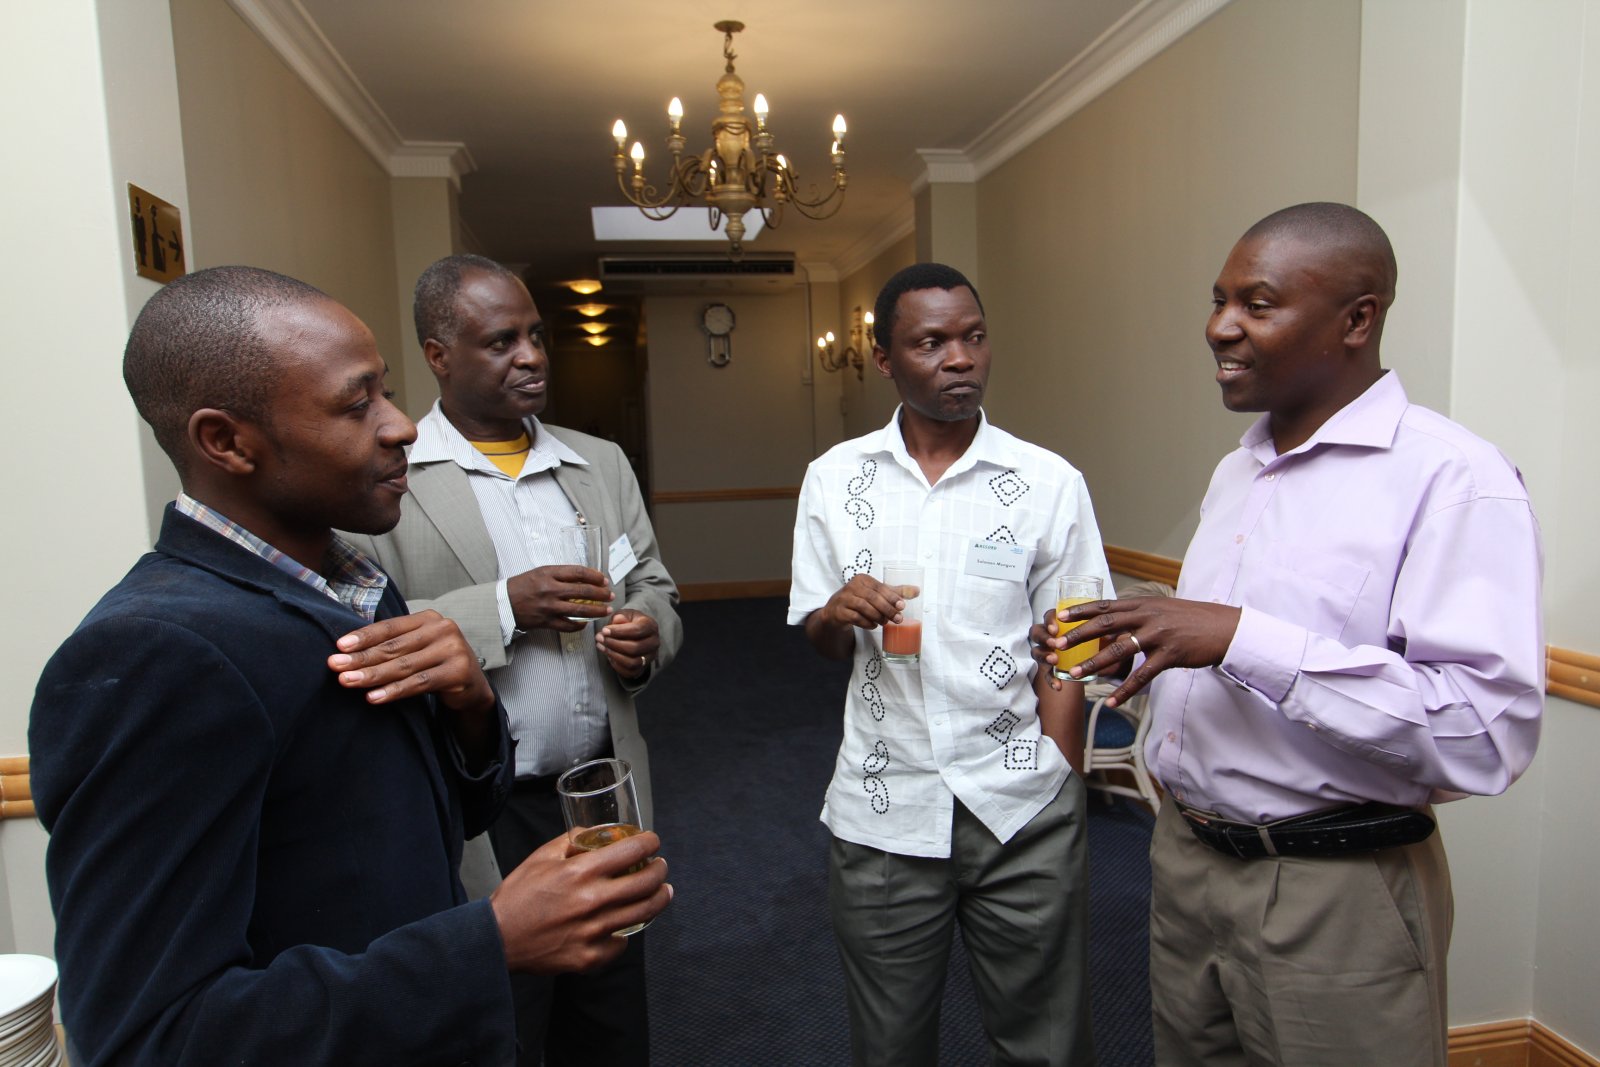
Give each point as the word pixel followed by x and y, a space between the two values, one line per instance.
pixel 1340 228
pixel 198 344
pixel 912 278
pixel 433 302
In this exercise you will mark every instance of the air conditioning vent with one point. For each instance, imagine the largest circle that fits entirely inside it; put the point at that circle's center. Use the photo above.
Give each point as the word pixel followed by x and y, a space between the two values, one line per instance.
pixel 758 273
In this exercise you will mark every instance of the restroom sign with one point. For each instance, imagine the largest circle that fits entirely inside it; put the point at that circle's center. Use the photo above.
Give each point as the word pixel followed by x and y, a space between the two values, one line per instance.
pixel 158 251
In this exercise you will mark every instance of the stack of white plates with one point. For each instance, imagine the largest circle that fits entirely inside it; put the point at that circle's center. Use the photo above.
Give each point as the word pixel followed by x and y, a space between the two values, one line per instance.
pixel 27 1012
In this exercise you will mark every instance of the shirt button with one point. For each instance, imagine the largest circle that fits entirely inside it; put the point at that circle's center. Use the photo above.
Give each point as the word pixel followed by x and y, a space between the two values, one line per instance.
pixel 1238 539
pixel 1172 737
pixel 1271 476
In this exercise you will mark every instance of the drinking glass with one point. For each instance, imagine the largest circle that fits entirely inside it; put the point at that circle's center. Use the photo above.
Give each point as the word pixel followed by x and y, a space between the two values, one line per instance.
pixel 584 544
pixel 1074 589
pixel 902 641
pixel 601 807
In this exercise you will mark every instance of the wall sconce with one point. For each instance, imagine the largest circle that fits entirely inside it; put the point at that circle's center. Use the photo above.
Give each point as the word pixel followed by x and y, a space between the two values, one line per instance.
pixel 855 354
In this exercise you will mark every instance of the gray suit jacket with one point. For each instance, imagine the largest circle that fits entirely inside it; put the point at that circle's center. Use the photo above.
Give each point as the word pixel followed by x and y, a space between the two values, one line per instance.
pixel 441 557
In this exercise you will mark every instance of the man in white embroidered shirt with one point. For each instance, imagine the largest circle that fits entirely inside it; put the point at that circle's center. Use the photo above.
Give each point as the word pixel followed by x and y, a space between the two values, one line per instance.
pixel 947 801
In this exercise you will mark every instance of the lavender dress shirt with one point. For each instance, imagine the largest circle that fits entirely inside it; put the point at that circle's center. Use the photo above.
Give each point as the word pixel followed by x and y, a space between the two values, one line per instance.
pixel 1391 644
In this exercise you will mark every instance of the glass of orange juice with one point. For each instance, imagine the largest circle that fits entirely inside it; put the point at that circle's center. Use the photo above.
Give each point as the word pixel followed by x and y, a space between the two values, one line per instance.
pixel 902 641
pixel 1071 590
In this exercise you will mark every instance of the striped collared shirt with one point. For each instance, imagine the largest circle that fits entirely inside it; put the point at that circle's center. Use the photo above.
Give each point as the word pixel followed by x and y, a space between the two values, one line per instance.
pixel 356 582
pixel 553 687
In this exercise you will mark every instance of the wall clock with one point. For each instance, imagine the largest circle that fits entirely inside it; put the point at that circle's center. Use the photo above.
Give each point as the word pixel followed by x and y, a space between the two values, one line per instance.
pixel 717 321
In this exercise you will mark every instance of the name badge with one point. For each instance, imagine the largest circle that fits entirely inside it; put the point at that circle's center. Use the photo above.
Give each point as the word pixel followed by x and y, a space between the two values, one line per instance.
pixel 1009 563
pixel 622 559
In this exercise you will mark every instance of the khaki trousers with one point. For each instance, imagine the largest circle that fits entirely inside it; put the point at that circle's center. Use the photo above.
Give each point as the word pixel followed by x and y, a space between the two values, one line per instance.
pixel 1023 908
pixel 1301 961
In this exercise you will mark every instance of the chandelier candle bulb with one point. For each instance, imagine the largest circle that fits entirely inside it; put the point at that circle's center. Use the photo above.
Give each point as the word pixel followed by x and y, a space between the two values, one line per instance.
pixel 675 113
pixel 838 129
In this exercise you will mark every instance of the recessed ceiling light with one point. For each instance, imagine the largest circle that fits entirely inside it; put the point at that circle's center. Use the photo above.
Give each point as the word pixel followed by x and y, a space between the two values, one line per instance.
pixel 589 311
pixel 584 286
pixel 599 340
pixel 593 327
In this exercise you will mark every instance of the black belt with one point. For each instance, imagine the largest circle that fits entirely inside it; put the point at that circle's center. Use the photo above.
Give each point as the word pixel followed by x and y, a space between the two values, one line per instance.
pixel 1361 828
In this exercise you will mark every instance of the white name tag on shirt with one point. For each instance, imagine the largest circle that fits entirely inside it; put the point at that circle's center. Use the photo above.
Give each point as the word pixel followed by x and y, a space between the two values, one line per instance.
pixel 622 559
pixel 1009 563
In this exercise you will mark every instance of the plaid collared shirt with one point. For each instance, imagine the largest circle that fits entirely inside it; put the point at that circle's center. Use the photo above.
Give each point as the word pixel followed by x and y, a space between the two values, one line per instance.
pixel 356 581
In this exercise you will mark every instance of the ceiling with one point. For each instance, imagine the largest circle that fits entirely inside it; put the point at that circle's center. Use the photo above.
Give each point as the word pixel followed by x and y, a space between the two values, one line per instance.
pixel 532 87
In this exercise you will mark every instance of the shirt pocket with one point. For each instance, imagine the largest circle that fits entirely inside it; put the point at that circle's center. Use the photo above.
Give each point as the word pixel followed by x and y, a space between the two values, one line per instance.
pixel 1312 588
pixel 986 604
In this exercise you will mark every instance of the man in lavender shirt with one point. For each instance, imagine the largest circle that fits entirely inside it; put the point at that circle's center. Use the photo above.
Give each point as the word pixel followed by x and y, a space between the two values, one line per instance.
pixel 1357 635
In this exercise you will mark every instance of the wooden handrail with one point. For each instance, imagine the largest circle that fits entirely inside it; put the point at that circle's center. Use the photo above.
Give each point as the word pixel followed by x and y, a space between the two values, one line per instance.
pixel 723 496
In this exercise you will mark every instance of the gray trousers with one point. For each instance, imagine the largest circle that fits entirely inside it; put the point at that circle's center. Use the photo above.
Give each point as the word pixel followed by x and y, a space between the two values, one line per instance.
pixel 1297 961
pixel 1023 908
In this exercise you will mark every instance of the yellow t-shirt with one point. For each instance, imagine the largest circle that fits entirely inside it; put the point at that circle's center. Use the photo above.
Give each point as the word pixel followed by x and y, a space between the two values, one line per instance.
pixel 509 456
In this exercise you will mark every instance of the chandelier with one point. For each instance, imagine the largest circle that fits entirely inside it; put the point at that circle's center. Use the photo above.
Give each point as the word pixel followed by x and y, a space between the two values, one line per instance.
pixel 730 177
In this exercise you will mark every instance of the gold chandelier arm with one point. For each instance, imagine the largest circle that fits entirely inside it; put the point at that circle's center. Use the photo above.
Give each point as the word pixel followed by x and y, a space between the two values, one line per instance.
pixel 818 205
pixel 687 181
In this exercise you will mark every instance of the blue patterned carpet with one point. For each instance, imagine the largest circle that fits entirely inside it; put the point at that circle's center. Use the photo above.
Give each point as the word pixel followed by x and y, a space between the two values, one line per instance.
pixel 743 730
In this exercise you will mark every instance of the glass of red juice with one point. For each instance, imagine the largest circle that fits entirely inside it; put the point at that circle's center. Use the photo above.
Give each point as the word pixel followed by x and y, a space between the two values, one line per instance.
pixel 902 641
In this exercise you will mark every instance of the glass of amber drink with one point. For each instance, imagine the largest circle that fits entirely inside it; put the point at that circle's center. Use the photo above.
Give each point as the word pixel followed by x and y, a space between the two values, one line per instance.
pixel 902 641
pixel 601 806
pixel 585 545
pixel 1071 590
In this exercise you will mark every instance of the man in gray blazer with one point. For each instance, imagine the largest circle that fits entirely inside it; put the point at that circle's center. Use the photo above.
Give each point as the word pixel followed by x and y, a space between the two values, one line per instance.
pixel 479 541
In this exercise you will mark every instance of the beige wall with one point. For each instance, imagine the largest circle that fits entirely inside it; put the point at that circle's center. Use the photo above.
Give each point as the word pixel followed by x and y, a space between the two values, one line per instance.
pixel 274 180
pixel 1525 371
pixel 1099 244
pixel 746 425
pixel 827 387
pixel 947 227
pixel 427 227
pixel 870 400
pixel 68 314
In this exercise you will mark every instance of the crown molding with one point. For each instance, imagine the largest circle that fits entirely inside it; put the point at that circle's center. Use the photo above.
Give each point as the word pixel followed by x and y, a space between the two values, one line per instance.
pixel 820 273
pixel 1134 40
pixel 942 166
pixel 432 159
pixel 901 221
pixel 290 31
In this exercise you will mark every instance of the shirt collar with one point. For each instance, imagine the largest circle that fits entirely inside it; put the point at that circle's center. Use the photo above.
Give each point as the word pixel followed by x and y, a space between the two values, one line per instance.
pixel 353 579
pixel 989 445
pixel 439 441
pixel 1369 421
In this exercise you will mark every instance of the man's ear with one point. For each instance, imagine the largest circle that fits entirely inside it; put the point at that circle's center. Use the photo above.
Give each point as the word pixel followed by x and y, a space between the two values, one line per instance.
pixel 880 360
pixel 222 440
pixel 1364 315
pixel 436 354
